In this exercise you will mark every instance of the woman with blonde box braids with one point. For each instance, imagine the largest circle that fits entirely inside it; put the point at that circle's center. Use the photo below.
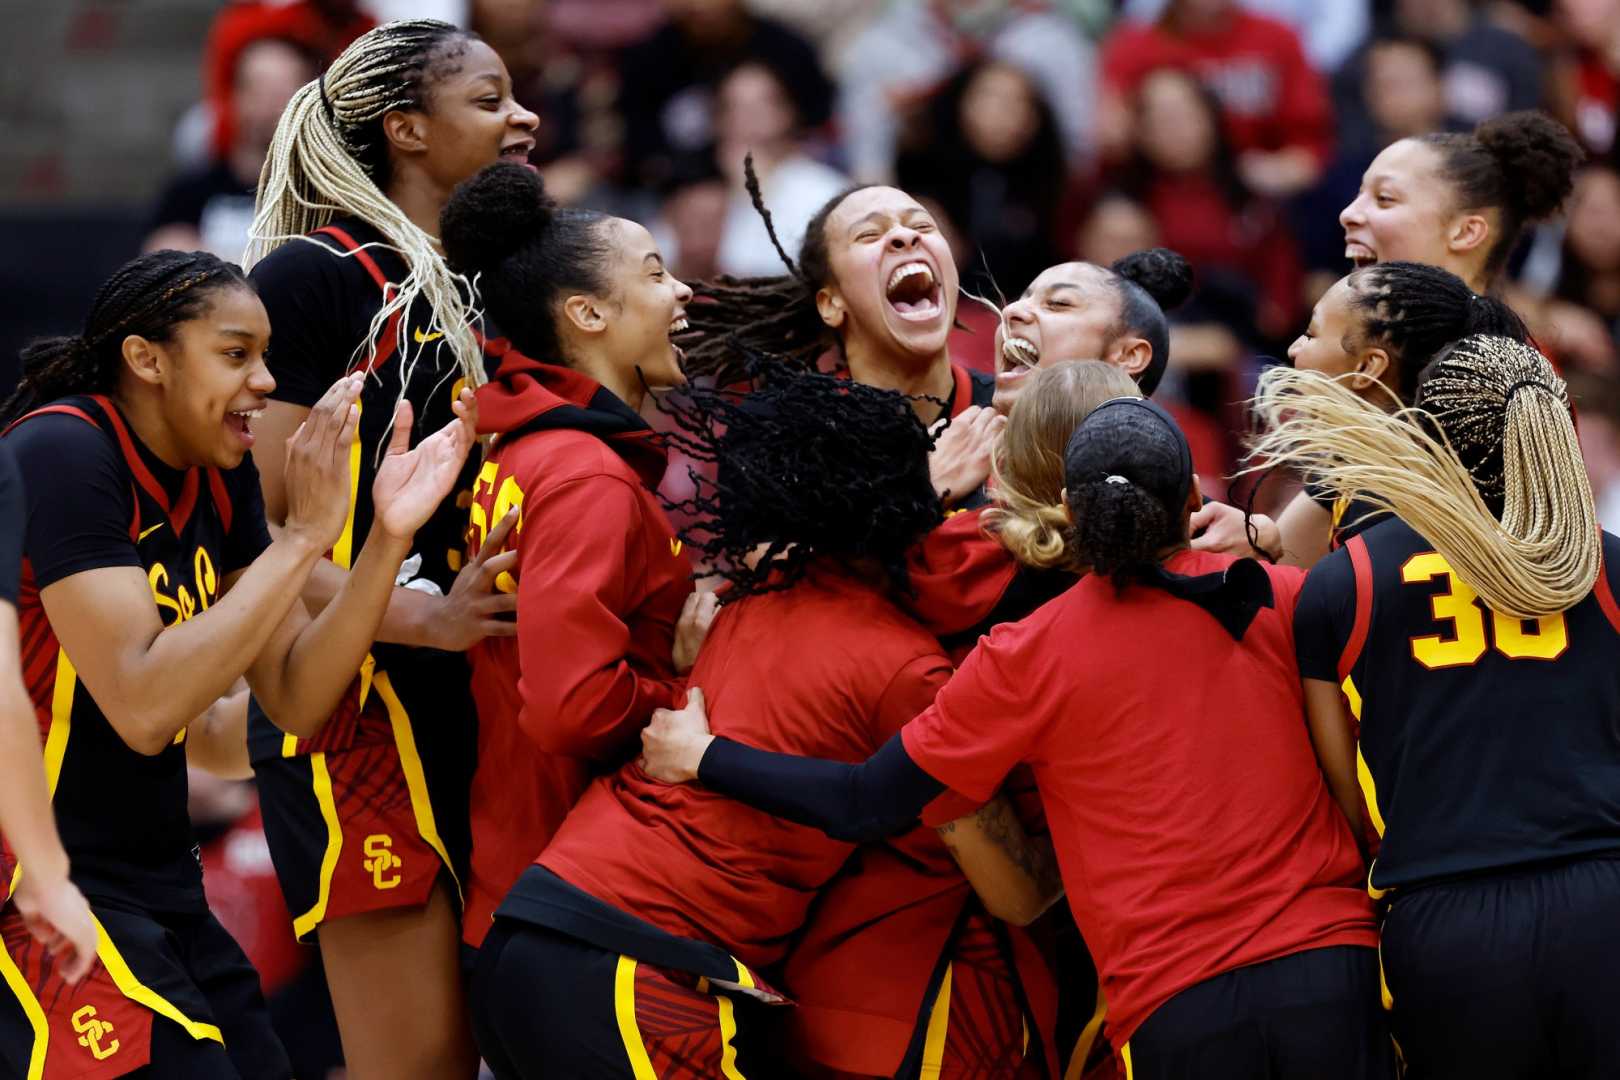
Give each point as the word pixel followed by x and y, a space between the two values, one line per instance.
pixel 367 822
pixel 1473 635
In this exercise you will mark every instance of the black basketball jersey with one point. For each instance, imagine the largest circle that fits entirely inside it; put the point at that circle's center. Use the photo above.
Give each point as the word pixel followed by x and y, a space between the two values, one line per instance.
pixel 1486 742
pixel 97 497
pixel 322 293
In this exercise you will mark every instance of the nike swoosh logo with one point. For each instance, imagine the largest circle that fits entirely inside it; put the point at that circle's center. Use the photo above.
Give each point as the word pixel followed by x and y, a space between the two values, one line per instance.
pixel 148 532
pixel 423 339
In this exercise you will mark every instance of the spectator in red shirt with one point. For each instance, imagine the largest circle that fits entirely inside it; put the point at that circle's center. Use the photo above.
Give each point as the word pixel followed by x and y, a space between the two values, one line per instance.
pixel 1274 104
pixel 324 27
pixel 1182 169
pixel 1240 950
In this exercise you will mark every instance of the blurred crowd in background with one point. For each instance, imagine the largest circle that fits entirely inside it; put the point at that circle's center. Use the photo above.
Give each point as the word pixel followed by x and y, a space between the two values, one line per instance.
pixel 1233 131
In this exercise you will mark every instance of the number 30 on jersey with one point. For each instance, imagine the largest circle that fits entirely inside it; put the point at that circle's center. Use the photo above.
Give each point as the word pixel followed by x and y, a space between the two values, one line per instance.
pixel 1458 605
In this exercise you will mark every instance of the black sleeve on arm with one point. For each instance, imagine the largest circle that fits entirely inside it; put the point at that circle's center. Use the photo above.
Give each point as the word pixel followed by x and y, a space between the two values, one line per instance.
pixel 880 797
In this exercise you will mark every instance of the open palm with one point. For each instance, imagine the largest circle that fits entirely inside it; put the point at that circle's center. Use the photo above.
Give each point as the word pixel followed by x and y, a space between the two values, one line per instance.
pixel 411 483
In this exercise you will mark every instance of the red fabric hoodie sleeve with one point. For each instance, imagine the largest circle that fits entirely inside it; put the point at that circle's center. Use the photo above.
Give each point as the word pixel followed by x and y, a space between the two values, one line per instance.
pixel 959 574
pixel 582 563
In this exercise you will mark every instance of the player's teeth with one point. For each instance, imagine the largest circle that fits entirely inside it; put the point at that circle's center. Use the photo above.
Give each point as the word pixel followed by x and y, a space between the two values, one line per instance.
pixel 906 270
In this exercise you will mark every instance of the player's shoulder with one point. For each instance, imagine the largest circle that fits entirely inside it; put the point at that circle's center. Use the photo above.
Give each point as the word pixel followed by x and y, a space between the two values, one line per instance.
pixel 320 259
pixel 63 443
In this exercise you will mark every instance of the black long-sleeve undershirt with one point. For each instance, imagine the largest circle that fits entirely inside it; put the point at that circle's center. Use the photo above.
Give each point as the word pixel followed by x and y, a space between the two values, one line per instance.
pixel 879 797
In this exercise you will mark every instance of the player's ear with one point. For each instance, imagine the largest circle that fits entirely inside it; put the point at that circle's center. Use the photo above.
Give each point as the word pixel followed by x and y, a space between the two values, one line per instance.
pixel 144 360
pixel 1063 497
pixel 830 306
pixel 1373 366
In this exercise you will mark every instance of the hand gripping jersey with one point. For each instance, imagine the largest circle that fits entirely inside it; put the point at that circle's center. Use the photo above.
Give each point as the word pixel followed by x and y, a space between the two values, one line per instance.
pixel 1486 742
pixel 367 814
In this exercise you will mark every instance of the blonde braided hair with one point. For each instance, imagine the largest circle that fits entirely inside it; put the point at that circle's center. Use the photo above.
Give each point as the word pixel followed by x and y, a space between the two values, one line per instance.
pixel 1029 517
pixel 329 157
pixel 1485 466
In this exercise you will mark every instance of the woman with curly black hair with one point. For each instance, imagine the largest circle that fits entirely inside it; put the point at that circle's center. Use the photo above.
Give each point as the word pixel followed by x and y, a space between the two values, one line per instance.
pixel 1222 951
pixel 651 901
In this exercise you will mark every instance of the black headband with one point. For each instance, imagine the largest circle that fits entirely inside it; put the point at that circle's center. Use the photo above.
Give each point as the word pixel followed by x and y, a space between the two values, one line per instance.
pixel 1165 418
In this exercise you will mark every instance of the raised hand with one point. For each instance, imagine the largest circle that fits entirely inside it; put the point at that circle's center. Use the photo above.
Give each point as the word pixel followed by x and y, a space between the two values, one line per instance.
pixel 960 460
pixel 411 484
pixel 317 471
pixel 673 742
pixel 1218 527
pixel 473 608
pixel 697 615
pixel 55 913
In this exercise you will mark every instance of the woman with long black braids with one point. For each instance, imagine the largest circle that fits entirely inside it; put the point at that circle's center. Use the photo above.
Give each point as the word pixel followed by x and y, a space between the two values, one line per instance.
pixel 653 903
pixel 151 585
pixel 1222 952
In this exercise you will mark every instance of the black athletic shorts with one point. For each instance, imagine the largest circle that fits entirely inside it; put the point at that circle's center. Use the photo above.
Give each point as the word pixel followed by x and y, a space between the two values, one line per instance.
pixel 1507 976
pixel 1314 1015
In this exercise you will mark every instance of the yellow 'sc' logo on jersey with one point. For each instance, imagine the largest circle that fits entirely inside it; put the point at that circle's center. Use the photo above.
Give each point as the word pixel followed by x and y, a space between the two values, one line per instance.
pixel 423 339
pixel 381 861
pixel 92 1030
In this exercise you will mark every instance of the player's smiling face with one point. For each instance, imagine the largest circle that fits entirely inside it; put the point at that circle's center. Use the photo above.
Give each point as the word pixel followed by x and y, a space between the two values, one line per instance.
pixel 214 380
pixel 471 119
pixel 1402 211
pixel 650 306
pixel 894 280
pixel 1069 312
pixel 1322 346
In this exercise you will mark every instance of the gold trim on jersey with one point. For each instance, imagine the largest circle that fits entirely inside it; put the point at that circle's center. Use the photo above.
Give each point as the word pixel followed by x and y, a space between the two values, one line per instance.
pixel 624 1011
pixel 939 1025
pixel 31 1008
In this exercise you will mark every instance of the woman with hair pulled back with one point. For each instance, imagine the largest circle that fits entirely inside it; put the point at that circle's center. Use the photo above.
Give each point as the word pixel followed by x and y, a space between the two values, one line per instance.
pixel 1221 952
pixel 1462 201
pixel 1377 328
pixel 1472 633
pixel 367 824
pixel 150 586
pixel 608 620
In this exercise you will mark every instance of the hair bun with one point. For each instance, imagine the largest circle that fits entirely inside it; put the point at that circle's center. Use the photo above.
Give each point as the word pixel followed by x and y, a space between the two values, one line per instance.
pixel 1538 158
pixel 494 214
pixel 1161 273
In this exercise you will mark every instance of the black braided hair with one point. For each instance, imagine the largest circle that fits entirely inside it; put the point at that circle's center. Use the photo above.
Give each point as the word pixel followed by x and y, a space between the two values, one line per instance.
pixel 1414 310
pixel 148 296
pixel 1127 470
pixel 732 318
pixel 527 252
pixel 809 466
pixel 1522 164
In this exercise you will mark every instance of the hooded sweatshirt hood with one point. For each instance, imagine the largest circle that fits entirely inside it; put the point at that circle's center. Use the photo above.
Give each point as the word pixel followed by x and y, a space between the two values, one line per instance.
pixel 527 395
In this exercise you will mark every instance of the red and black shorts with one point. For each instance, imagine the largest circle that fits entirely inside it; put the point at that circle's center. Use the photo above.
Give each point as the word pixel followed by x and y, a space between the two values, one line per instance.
pixel 547 1004
pixel 171 991
pixel 369 814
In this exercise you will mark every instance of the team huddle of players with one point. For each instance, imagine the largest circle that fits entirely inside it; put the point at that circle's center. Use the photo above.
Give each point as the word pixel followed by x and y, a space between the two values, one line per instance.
pixel 983 749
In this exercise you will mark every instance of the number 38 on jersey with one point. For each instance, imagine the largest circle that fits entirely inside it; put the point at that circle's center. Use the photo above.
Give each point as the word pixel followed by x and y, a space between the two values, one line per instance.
pixel 1467 629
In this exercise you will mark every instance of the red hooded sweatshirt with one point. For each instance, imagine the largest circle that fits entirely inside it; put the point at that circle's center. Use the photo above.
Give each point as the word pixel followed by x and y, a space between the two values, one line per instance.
pixel 600 581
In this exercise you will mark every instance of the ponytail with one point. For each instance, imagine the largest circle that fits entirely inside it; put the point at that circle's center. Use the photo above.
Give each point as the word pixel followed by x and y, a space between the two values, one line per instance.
pixel 1119 528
